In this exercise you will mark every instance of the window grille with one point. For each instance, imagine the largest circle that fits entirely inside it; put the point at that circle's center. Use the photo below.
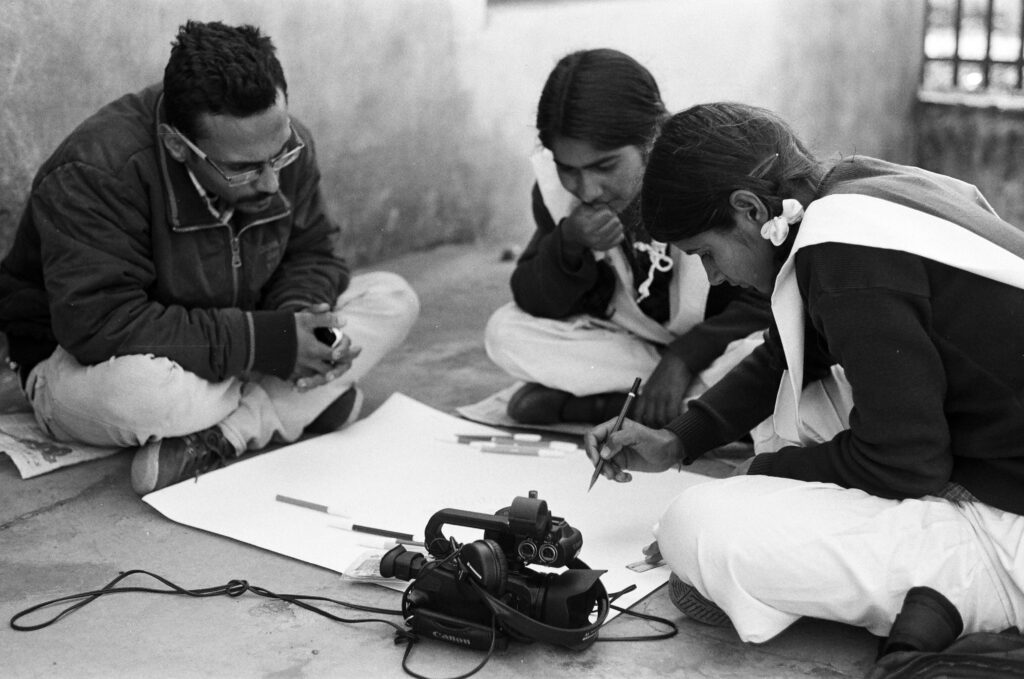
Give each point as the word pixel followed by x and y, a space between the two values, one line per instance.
pixel 974 46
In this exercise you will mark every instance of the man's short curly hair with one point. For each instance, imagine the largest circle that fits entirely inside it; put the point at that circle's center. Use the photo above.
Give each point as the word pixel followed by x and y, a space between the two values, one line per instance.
pixel 219 69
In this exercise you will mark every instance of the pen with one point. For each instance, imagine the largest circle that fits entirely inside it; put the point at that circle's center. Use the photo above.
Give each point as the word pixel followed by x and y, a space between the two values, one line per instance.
pixel 520 450
pixel 618 425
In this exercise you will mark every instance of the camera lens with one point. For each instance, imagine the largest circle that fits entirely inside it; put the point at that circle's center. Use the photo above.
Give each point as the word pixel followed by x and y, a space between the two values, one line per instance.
pixel 548 553
pixel 527 550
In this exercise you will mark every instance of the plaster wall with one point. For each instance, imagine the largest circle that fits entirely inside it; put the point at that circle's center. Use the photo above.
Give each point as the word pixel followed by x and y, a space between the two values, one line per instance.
pixel 423 109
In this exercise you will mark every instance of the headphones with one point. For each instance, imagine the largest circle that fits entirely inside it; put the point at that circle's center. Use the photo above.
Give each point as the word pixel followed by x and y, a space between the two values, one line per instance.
pixel 485 561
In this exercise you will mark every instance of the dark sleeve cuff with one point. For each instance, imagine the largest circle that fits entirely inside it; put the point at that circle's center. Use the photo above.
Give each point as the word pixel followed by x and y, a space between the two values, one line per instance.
pixel 762 464
pixel 275 343
pixel 695 353
pixel 698 432
pixel 587 262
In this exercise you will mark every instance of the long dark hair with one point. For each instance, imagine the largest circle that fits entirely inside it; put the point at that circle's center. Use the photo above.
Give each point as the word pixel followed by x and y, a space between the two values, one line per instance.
pixel 600 96
pixel 708 151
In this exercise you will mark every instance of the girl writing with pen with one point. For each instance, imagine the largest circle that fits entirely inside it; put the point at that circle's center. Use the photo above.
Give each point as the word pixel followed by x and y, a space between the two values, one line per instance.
pixel 893 376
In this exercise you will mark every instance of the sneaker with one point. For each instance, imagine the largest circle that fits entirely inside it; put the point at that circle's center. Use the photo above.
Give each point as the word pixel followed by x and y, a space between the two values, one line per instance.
pixel 593 409
pixel 694 605
pixel 534 403
pixel 928 622
pixel 343 412
pixel 163 463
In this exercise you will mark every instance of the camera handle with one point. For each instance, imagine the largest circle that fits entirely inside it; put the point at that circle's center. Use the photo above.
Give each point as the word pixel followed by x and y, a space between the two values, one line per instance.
pixel 439 546
pixel 527 516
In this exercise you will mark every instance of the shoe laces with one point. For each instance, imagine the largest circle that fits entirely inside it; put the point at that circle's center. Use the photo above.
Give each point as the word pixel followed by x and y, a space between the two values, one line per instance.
pixel 203 452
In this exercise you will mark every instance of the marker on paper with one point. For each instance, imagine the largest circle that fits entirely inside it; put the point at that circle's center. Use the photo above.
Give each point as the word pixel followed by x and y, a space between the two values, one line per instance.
pixel 560 446
pixel 403 538
pixel 520 450
pixel 466 438
pixel 309 505
pixel 383 543
pixel 519 440
pixel 552 445
pixel 348 524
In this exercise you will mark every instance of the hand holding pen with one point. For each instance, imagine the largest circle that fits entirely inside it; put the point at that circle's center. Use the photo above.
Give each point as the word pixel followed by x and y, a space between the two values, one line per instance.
pixel 600 462
pixel 614 448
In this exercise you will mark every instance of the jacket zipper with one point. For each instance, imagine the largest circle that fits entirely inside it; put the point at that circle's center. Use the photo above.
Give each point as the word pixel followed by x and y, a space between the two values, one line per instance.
pixel 235 240
pixel 236 264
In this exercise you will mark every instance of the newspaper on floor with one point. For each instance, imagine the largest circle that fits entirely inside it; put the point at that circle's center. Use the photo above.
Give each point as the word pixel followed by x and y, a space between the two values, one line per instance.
pixel 34 453
pixel 366 569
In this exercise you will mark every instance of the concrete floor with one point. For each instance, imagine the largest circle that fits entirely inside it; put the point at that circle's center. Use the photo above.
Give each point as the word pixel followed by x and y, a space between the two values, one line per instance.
pixel 75 529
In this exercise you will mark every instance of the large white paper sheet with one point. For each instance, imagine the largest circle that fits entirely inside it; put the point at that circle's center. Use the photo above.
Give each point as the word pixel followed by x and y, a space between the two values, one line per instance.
pixel 394 470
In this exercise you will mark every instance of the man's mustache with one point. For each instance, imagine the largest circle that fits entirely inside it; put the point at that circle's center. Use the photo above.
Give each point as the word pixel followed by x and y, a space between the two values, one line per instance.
pixel 258 198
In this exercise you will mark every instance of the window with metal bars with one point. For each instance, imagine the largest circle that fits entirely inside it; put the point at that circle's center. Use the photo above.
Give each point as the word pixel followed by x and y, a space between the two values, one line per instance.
pixel 974 46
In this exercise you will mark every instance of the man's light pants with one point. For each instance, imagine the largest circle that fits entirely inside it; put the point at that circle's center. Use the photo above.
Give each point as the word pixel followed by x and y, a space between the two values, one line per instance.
pixel 131 400
pixel 770 550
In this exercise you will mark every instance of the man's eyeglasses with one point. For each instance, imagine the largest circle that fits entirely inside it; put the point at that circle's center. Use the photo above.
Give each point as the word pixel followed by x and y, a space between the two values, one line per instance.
pixel 277 163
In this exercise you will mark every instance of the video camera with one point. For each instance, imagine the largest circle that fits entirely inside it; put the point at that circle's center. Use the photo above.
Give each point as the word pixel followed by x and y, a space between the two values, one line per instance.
pixel 483 593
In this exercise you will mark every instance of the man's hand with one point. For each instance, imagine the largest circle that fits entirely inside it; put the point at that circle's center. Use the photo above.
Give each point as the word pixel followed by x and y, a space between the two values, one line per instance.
pixel 594 227
pixel 317 363
pixel 662 397
pixel 634 447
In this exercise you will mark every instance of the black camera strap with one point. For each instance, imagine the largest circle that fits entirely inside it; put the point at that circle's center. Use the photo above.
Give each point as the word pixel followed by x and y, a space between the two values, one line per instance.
pixel 575 638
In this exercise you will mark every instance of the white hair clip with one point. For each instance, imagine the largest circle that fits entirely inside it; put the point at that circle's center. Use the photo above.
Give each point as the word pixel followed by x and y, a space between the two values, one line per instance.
pixel 776 229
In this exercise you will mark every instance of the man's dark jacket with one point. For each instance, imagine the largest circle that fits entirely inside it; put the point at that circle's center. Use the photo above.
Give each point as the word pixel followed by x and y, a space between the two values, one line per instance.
pixel 117 253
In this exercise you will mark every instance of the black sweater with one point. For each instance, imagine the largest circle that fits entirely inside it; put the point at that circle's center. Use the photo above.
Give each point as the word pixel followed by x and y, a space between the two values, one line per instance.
pixel 934 355
pixel 545 286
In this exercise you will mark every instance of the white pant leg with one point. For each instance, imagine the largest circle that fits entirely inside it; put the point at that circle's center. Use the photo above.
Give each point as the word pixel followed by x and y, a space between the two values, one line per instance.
pixel 581 355
pixel 131 400
pixel 379 309
pixel 770 550
pixel 125 401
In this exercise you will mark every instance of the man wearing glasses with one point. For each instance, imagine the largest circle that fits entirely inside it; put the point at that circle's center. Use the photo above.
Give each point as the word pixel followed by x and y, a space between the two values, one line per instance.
pixel 173 285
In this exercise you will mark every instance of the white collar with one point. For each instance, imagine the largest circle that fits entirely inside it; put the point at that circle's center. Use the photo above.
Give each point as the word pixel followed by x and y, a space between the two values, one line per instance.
pixel 223 216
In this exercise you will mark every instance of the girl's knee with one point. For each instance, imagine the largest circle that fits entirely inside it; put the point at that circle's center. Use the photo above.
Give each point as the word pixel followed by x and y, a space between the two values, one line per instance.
pixel 499 332
pixel 697 518
pixel 711 522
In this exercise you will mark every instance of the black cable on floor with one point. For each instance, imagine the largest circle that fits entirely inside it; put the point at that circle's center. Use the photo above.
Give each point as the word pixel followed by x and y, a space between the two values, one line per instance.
pixel 234 588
